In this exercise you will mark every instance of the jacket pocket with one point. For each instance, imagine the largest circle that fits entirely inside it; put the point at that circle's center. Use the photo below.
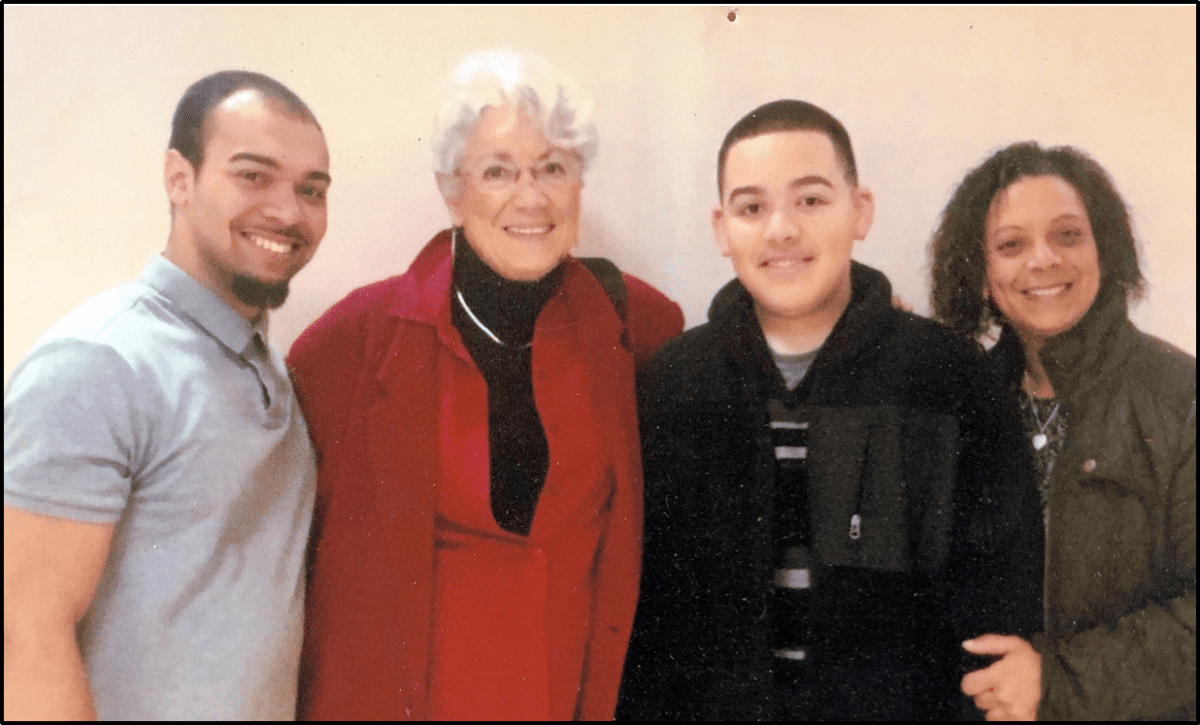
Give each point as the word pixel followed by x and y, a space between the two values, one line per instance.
pixel 1104 534
pixel 881 487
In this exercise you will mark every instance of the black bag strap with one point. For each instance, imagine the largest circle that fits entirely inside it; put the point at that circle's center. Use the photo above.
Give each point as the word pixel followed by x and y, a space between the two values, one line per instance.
pixel 611 278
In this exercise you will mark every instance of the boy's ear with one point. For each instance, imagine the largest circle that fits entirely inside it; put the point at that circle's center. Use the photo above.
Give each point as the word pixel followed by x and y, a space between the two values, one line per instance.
pixel 718 225
pixel 864 211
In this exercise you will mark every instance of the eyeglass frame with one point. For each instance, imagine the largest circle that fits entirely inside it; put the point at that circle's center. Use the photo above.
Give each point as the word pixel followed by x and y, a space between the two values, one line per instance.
pixel 569 160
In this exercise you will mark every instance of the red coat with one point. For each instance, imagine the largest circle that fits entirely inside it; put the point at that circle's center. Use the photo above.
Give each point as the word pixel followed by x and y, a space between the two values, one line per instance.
pixel 510 626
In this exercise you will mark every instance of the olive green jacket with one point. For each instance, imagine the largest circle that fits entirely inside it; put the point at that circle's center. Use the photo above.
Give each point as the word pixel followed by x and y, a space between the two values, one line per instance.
pixel 1120 577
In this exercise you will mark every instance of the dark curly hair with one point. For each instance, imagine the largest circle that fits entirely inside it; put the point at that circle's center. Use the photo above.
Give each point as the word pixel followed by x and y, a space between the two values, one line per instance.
pixel 959 258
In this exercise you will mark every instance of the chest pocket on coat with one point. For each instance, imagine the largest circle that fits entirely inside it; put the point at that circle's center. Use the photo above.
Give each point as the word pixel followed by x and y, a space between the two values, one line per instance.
pixel 895 468
pixel 1107 531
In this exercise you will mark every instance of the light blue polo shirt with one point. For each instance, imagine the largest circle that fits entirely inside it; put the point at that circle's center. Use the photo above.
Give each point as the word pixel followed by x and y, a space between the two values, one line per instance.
pixel 155 408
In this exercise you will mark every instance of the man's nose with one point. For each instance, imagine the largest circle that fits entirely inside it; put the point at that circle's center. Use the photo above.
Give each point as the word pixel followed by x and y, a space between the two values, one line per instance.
pixel 781 227
pixel 283 206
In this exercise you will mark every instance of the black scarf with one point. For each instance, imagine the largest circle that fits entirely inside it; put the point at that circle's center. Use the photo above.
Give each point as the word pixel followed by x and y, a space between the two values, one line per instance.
pixel 519 456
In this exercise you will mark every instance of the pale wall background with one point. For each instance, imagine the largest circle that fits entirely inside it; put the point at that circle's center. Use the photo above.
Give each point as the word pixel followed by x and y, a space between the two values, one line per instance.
pixel 925 92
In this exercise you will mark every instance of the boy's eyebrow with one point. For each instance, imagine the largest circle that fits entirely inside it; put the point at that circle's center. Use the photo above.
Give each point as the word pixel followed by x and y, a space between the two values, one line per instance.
pixel 812 179
pixel 744 190
pixel 802 181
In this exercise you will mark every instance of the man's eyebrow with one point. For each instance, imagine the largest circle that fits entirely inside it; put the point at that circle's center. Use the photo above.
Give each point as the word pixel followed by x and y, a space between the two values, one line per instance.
pixel 272 163
pixel 256 158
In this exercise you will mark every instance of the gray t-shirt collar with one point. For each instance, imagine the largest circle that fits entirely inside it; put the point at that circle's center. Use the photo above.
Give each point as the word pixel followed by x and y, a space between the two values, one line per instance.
pixel 203 305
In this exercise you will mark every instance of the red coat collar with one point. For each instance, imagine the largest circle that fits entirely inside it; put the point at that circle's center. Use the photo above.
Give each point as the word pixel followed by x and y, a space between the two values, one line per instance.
pixel 422 295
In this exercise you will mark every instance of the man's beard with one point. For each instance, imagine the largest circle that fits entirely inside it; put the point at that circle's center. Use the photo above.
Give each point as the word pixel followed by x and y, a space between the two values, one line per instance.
pixel 257 293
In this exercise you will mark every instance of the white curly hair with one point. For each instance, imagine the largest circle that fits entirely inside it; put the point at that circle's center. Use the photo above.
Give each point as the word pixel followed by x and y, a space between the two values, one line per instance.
pixel 503 78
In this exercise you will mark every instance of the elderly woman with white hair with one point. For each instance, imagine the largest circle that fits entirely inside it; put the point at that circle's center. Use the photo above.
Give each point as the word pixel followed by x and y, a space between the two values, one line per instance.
pixel 478 526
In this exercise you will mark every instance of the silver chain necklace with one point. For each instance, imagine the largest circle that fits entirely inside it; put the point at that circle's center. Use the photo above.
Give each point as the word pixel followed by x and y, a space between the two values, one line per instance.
pixel 467 308
pixel 1040 439
pixel 462 301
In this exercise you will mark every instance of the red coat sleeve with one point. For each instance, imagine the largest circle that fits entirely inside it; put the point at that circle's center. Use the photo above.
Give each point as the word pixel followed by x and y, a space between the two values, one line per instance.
pixel 318 362
pixel 330 358
pixel 367 604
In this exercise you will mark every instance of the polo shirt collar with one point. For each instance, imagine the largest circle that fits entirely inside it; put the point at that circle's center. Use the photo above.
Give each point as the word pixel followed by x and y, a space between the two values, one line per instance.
pixel 202 305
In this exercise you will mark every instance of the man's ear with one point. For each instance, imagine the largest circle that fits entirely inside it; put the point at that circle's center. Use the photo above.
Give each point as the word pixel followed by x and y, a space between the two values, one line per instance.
pixel 718 225
pixel 179 177
pixel 864 211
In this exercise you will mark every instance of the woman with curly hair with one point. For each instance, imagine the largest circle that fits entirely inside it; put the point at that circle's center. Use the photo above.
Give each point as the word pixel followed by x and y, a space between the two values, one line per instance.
pixel 1038 242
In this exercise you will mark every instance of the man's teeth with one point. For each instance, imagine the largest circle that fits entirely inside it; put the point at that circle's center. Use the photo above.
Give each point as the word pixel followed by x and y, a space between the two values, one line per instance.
pixel 1046 291
pixel 785 262
pixel 269 245
pixel 529 230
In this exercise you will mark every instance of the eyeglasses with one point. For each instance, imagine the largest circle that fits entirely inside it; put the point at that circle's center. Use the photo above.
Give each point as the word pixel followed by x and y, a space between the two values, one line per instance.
pixel 555 172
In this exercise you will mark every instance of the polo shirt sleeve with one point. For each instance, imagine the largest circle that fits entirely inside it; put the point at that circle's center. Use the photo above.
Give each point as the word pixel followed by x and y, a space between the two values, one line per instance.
pixel 69 432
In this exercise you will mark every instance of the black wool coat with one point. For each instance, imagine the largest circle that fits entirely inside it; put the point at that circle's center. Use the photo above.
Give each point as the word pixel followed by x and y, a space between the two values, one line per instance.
pixel 909 431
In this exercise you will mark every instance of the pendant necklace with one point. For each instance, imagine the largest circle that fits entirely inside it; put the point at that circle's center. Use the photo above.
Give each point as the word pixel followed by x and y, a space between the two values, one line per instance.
pixel 1040 439
pixel 458 293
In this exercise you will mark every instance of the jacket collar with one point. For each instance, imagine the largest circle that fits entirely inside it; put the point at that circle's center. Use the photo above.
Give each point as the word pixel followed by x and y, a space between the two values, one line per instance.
pixel 857 328
pixel 1082 357
pixel 863 322
pixel 423 294
pixel 202 305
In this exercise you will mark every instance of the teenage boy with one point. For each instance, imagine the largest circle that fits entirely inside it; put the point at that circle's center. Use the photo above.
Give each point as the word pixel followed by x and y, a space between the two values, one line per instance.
pixel 833 495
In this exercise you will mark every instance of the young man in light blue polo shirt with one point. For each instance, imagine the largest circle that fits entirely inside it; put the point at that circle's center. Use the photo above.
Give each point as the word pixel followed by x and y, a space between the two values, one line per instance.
pixel 158 476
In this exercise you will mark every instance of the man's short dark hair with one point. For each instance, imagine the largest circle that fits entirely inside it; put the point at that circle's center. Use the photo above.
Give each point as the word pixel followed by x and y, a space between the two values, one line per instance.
pixel 789 115
pixel 189 126
pixel 960 258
